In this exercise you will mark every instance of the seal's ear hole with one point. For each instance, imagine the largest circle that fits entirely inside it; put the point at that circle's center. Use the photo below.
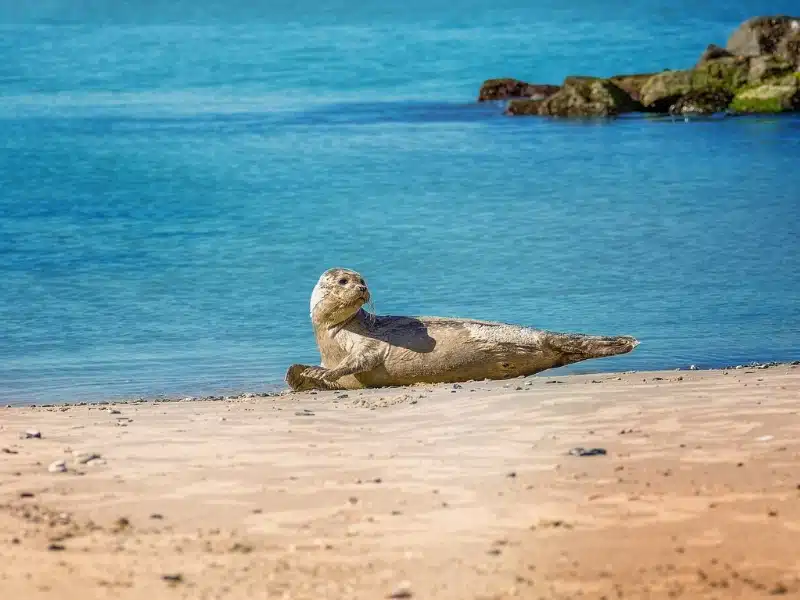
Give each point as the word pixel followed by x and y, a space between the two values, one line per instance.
pixel 343 281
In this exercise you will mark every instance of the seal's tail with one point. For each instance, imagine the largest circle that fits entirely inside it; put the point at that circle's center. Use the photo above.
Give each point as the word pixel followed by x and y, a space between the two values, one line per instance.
pixel 577 347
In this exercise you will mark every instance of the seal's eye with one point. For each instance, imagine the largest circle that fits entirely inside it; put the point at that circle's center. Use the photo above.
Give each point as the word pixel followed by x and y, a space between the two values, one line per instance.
pixel 343 281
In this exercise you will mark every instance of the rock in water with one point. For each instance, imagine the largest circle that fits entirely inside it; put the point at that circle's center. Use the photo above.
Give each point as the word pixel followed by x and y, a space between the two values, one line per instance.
pixel 504 88
pixel 778 35
pixel 702 103
pixel 713 52
pixel 764 68
pixel 756 72
pixel 632 84
pixel 722 75
pixel 588 97
pixel 523 106
pixel 780 95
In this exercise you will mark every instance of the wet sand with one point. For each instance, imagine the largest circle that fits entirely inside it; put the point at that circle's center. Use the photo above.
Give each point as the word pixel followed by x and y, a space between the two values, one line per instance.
pixel 422 492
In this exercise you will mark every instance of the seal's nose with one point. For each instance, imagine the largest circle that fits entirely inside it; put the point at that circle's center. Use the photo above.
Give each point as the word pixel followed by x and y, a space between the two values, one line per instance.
pixel 361 288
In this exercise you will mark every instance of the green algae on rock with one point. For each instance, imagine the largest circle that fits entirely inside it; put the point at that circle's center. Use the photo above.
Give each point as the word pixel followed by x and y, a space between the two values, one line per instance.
pixel 776 96
pixel 754 73
pixel 663 90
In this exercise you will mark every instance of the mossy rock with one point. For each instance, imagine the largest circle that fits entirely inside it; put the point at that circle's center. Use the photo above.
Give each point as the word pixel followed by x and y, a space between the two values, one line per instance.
pixel 779 95
pixel 664 89
pixel 704 103
pixel 768 67
pixel 721 75
pixel 632 84
pixel 727 73
pixel 779 35
pixel 588 97
pixel 713 52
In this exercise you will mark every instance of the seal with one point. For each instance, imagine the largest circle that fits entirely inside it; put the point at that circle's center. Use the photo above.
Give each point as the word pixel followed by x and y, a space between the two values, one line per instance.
pixel 360 349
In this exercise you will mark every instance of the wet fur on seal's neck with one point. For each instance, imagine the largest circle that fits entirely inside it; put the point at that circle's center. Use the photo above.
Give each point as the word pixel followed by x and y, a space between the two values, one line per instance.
pixel 360 349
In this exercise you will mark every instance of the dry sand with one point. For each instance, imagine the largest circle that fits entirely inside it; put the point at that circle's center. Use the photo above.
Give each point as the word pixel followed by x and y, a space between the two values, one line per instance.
pixel 423 492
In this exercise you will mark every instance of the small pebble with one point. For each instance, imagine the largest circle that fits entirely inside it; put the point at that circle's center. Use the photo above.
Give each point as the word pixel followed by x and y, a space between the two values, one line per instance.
pixel 173 578
pixel 82 457
pixel 779 590
pixel 26 494
pixel 403 590
pixel 588 452
pixel 58 466
pixel 56 547
pixel 30 434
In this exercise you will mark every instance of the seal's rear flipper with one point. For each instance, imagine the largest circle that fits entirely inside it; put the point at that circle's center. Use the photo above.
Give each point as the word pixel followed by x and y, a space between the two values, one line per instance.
pixel 299 382
pixel 577 347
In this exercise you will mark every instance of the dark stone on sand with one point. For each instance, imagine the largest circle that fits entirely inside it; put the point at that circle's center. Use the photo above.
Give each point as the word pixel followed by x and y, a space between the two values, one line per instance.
pixel 588 452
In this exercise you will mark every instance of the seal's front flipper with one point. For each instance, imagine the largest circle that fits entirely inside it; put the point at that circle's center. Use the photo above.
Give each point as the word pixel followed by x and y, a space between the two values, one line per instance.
pixel 299 380
pixel 358 362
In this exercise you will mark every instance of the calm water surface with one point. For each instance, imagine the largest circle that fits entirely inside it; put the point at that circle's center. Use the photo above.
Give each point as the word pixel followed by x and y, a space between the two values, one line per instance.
pixel 176 176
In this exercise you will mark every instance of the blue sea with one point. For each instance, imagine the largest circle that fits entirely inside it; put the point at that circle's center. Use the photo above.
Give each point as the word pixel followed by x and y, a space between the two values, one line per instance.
pixel 175 176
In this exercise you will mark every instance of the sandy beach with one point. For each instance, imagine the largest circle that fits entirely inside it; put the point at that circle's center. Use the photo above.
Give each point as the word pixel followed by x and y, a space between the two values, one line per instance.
pixel 466 491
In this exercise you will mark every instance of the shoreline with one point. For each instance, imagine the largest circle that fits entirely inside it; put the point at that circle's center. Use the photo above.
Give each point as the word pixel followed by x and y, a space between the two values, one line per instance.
pixel 159 398
pixel 433 491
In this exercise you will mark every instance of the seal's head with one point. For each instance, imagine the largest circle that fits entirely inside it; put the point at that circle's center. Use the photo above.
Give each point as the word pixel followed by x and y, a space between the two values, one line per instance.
pixel 338 295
